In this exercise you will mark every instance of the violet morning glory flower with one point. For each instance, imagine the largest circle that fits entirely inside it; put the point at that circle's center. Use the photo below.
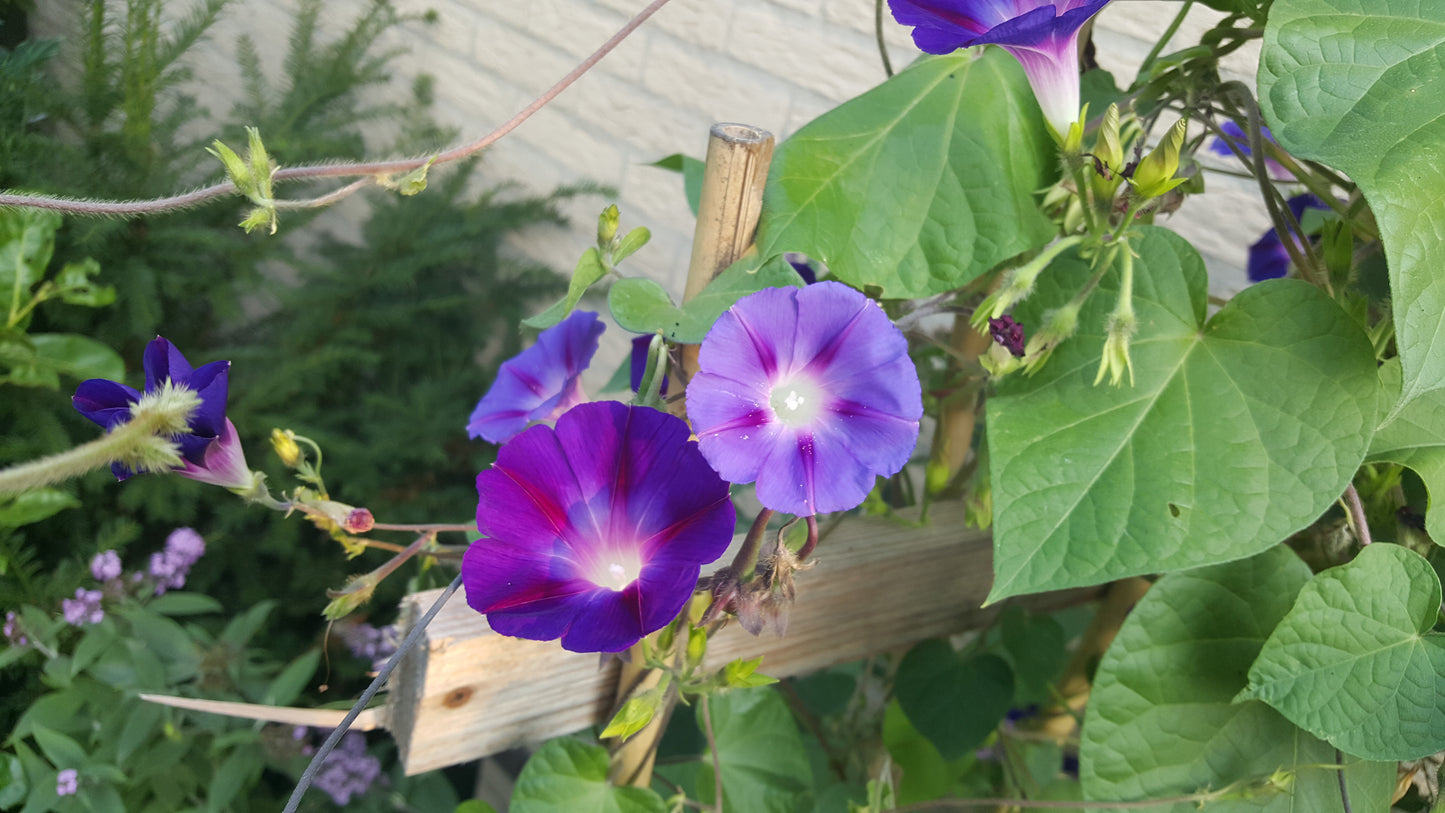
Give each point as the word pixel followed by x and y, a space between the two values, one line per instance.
pixel 1043 35
pixel 1268 257
pixel 595 532
pixel 541 382
pixel 810 392
pixel 637 364
pixel 210 451
pixel 1234 134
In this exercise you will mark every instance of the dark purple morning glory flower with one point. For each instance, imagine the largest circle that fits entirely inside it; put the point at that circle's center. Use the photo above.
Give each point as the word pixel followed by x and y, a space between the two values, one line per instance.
pixel 595 532
pixel 1043 35
pixel 108 404
pixel 539 383
pixel 808 391
pixel 1234 134
pixel 1268 258
pixel 1008 333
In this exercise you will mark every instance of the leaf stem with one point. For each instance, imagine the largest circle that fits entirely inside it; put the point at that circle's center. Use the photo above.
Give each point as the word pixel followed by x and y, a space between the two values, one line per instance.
pixel 712 749
pixel 1357 514
pixel 1344 791
pixel 878 34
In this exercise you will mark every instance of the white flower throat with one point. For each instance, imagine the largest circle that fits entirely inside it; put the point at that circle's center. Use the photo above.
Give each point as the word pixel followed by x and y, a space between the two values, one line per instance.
pixel 797 402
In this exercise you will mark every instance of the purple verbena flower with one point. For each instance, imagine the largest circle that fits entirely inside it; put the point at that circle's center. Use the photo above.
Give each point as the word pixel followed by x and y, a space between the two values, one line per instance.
pixel 638 364
pixel 67 782
pixel 14 632
pixel 1008 333
pixel 1268 257
pixel 810 392
pixel 348 771
pixel 595 532
pixel 84 608
pixel 210 451
pixel 105 566
pixel 375 644
pixel 169 568
pixel 1043 35
pixel 1234 134
pixel 541 382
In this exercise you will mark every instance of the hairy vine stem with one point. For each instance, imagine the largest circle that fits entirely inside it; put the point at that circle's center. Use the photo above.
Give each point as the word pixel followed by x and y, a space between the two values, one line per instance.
pixel 374 169
pixel 327 747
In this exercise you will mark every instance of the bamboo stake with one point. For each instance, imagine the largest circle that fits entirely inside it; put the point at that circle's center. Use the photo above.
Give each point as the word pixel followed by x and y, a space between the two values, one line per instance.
pixel 727 218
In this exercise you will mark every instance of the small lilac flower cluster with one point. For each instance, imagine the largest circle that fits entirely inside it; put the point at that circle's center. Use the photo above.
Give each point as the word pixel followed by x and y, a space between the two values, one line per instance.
pixel 84 608
pixel 14 632
pixel 376 644
pixel 348 771
pixel 67 782
pixel 169 568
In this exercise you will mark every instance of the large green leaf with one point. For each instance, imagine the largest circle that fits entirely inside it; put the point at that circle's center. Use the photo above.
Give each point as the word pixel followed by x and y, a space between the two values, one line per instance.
pixel 955 700
pixel 570 776
pixel 1357 85
pixel 1238 431
pixel 920 184
pixel 1414 436
pixel 1161 721
pixel 1355 662
pixel 759 751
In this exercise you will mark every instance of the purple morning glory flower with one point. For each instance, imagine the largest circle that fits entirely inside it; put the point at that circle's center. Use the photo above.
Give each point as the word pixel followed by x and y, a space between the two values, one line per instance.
pixel 1234 134
pixel 1268 258
pixel 108 404
pixel 595 532
pixel 1043 35
pixel 539 383
pixel 808 391
pixel 1008 333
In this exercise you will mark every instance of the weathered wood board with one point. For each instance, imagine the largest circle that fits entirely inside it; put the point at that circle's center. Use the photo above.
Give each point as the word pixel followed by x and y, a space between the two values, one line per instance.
pixel 878 585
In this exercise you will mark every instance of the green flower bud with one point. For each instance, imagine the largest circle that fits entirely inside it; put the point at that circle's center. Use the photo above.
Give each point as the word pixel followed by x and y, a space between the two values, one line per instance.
pixel 1155 174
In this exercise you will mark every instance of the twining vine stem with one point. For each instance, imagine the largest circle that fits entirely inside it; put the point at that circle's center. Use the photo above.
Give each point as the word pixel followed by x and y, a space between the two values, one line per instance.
pixel 1357 514
pixel 132 208
pixel 327 747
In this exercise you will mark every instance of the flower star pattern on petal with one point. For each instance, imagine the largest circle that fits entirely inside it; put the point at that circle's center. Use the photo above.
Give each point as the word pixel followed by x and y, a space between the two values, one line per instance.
pixel 810 392
pixel 1043 35
pixel 595 532
pixel 541 382
pixel 210 452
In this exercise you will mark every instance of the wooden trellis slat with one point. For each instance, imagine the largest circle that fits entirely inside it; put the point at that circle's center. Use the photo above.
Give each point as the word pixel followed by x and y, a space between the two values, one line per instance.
pixel 878 585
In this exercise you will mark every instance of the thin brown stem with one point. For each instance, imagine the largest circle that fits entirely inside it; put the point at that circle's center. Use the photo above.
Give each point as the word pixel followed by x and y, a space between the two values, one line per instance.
pixel 712 749
pixel 747 555
pixel 812 542
pixel 1344 790
pixel 1045 804
pixel 132 208
pixel 424 527
pixel 1357 514
pixel 878 34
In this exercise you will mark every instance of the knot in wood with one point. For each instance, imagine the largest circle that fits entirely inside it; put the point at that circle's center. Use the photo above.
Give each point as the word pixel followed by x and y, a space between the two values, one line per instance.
pixel 458 697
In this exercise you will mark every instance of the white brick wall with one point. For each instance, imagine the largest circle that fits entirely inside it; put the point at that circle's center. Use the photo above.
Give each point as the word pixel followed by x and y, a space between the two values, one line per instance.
pixel 771 63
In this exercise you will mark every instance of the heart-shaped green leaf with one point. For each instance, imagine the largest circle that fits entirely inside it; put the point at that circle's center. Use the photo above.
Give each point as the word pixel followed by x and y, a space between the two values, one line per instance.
pixel 759 751
pixel 920 184
pixel 1354 661
pixel 1160 720
pixel 1414 436
pixel 1355 84
pixel 1239 430
pixel 570 776
pixel 955 701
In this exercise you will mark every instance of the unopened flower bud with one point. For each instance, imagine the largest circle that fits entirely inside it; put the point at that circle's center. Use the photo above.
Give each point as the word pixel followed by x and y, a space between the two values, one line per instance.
pixel 284 442
pixel 359 521
pixel 607 226
pixel 1155 174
